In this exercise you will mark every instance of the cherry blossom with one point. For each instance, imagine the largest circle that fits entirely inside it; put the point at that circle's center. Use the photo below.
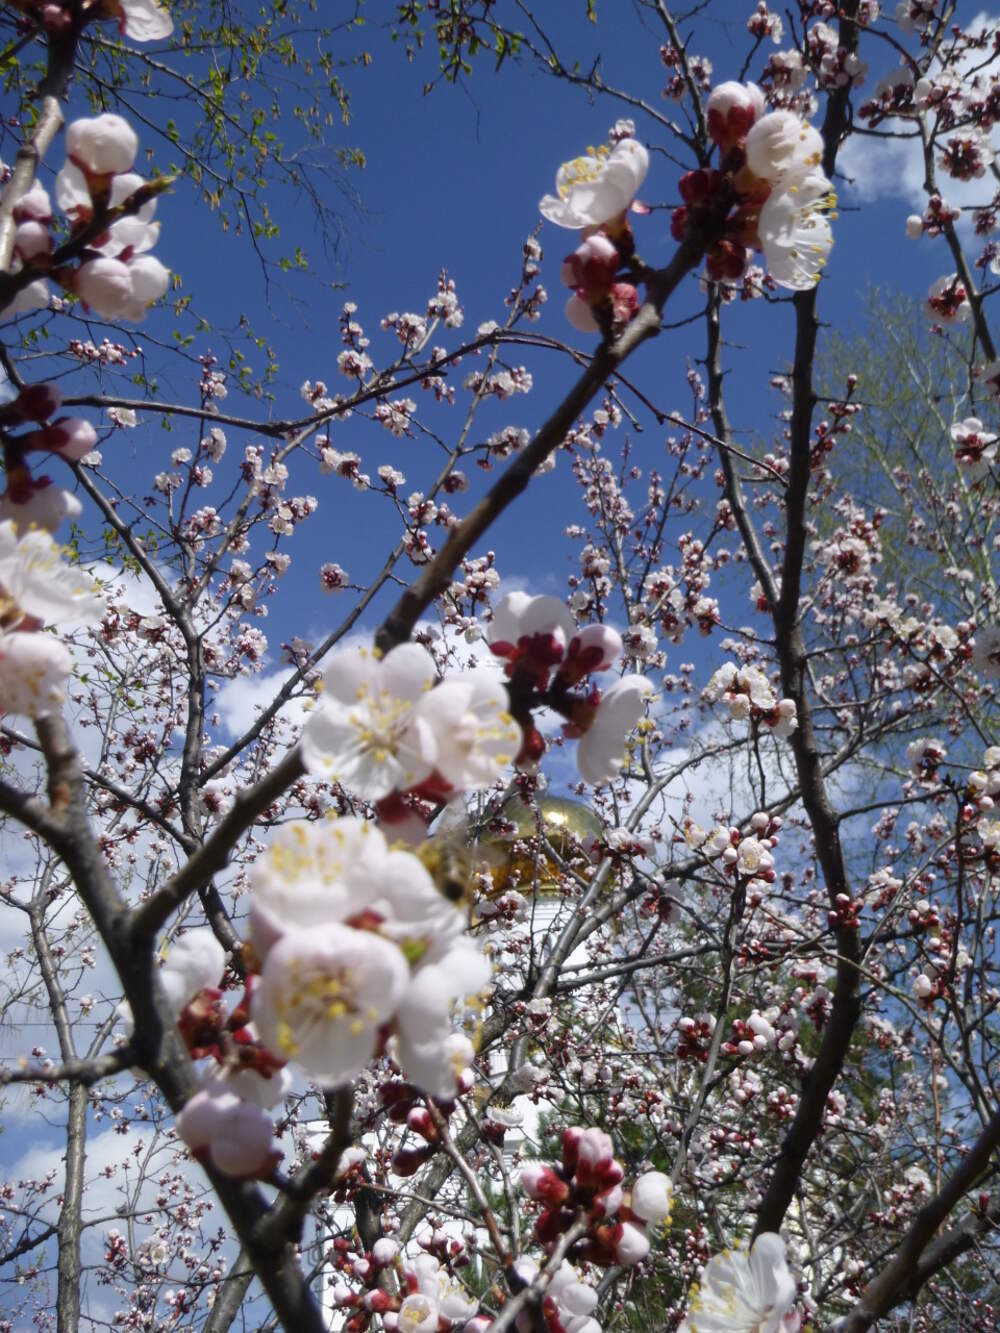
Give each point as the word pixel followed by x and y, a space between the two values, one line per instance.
pixel 731 110
pixel 142 20
pixel 235 1135
pixel 600 752
pixel 379 726
pixel 652 1197
pixel 975 448
pixel 795 232
pixel 34 669
pixel 745 1292
pixel 37 583
pixel 101 145
pixel 193 962
pixel 783 149
pixel 354 936
pixel 597 188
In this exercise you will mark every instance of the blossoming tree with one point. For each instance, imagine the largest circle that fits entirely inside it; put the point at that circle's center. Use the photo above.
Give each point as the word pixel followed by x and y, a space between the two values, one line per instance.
pixel 357 1024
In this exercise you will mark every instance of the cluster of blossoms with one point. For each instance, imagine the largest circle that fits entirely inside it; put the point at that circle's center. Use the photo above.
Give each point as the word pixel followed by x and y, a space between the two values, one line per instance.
pixel 545 658
pixel 587 1184
pixel 116 276
pixel 355 954
pixel 37 588
pixel 768 192
pixel 746 857
pixel 747 693
pixel 384 730
pixel 35 501
pixel 975 448
pixel 594 194
pixel 923 758
pixel 743 1291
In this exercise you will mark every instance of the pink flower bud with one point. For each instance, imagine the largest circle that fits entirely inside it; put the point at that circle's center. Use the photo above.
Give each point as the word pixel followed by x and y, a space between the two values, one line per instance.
pixel 105 285
pixel 32 239
pixel 35 402
pixel 71 438
pixel 624 303
pixel 732 108
pixel 541 1182
pixel 595 648
pixel 38 504
pixel 591 268
pixel 33 206
pixel 696 187
pixel 631 1245
pixel 102 145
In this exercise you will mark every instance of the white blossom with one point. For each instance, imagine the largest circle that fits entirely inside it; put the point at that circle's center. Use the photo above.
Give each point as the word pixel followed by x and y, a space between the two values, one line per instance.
pixel 741 1292
pixel 600 752
pixel 598 186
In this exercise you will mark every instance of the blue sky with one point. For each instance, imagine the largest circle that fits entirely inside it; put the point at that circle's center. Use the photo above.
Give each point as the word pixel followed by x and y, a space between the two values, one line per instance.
pixel 452 180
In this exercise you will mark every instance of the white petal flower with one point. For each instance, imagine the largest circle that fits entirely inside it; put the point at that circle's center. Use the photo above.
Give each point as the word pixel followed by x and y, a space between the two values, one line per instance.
pixel 145 20
pixel 651 1198
pixel 597 187
pixel 105 285
pixel 424 1017
pixel 35 296
pixel 337 868
pixel 745 1293
pixel 476 736
pixel 324 993
pixel 600 752
pixel 364 732
pixel 102 145
pixel 795 232
pixel 418 1314
pixel 33 671
pixel 193 962
pixel 975 448
pixel 150 280
pixel 35 581
pixel 236 1135
pixel 783 149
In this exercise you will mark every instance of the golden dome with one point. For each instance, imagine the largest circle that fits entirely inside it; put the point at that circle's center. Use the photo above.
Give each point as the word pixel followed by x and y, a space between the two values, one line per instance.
pixel 569 827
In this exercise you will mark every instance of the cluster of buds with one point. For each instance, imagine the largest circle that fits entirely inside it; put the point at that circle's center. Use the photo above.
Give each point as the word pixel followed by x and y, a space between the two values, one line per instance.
pixel 768 192
pixel 595 193
pixel 407 1107
pixel 35 501
pixel 110 210
pixel 546 657
pixel 226 1122
pixel 975 448
pixel 753 1035
pixel 586 1187
pixel 936 218
pixel 923 758
pixel 747 693
pixel 430 1297
pixel 694 1037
